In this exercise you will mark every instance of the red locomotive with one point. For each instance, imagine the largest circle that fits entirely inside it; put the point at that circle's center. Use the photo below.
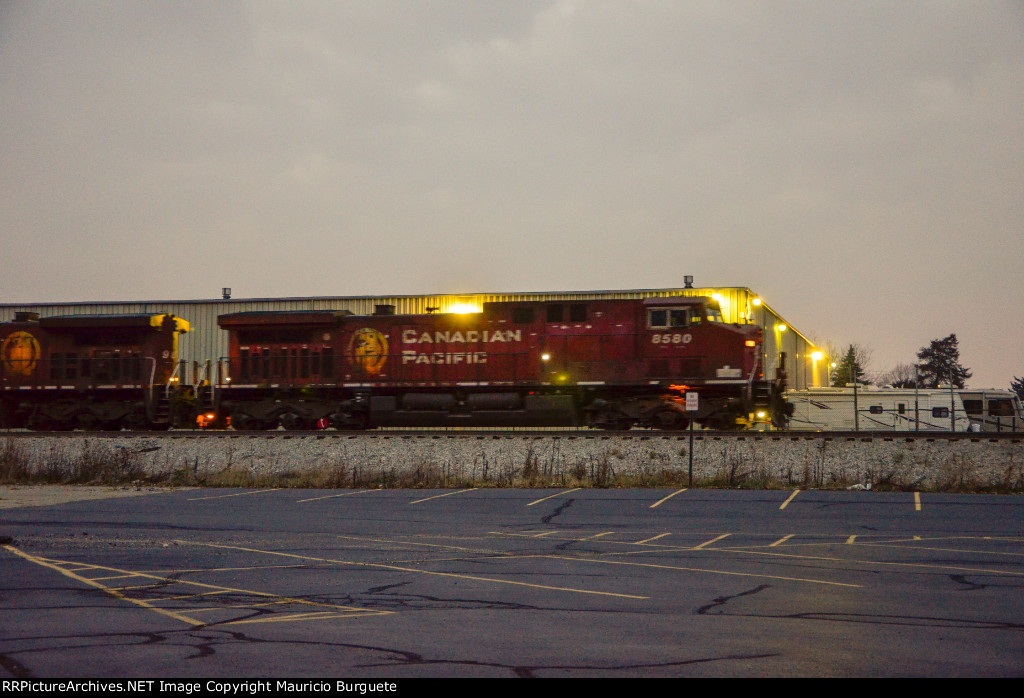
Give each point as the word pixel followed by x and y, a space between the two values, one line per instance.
pixel 89 371
pixel 609 364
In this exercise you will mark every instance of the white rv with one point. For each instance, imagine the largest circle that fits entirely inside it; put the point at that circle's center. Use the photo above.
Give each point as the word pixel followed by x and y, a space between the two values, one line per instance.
pixel 877 409
pixel 993 410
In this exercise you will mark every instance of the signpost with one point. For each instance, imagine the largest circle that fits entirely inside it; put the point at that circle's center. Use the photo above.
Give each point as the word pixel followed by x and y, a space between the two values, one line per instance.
pixel 691 406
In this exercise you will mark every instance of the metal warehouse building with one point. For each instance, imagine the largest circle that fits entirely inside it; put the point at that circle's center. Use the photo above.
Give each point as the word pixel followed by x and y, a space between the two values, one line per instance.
pixel 806 365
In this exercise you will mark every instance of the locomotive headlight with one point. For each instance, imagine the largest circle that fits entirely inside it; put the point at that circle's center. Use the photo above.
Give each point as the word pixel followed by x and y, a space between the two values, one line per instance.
pixel 545 357
pixel 761 414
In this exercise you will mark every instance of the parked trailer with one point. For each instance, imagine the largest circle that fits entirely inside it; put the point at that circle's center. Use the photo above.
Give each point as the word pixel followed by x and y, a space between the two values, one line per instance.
pixel 993 410
pixel 868 408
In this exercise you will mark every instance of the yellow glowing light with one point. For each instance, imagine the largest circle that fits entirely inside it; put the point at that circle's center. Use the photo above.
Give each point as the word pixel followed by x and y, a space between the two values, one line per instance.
pixel 761 415
pixel 464 308
pixel 756 301
pixel 817 355
pixel 782 328
pixel 545 357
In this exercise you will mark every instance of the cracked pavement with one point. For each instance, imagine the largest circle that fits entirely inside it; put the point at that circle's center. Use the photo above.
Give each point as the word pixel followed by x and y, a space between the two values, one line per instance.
pixel 513 583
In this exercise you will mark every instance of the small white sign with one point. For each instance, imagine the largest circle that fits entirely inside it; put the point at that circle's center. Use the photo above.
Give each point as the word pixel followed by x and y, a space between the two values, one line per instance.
pixel 691 402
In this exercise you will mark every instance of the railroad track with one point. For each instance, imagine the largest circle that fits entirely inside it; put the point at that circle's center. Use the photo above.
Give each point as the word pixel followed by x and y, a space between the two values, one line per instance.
pixel 582 433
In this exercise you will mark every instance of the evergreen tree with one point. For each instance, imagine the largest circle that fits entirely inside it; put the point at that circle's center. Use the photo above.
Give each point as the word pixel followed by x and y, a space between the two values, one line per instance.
pixel 939 362
pixel 1017 386
pixel 849 369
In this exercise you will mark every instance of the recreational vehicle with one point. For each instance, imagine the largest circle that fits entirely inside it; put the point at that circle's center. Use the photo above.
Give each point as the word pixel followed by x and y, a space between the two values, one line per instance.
pixel 993 410
pixel 867 408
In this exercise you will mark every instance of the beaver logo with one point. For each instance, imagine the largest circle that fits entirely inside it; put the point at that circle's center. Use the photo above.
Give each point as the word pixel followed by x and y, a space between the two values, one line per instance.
pixel 20 353
pixel 368 350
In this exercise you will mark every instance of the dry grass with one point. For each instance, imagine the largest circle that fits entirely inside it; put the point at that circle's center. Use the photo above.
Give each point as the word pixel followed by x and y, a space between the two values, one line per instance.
pixel 98 466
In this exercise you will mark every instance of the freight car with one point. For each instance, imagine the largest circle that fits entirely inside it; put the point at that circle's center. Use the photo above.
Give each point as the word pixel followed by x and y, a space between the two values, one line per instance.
pixel 90 371
pixel 609 364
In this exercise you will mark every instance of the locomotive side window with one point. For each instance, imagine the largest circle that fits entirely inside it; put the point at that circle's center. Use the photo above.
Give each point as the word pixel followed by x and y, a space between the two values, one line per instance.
pixel 668 317
pixel 577 312
pixel 554 313
pixel 522 316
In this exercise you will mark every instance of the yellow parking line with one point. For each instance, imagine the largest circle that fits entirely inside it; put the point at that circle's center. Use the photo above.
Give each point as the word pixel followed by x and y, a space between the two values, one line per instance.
pixel 599 535
pixel 558 494
pixel 235 494
pixel 782 540
pixel 849 541
pixel 665 499
pixel 413 570
pixel 648 540
pixel 699 569
pixel 331 496
pixel 713 540
pixel 116 592
pixel 791 497
pixel 917 501
pixel 446 494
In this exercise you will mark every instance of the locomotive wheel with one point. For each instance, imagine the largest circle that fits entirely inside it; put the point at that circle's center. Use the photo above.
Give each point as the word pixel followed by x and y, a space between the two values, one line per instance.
pixel 87 421
pixel 134 422
pixel 669 420
pixel 241 421
pixel 291 421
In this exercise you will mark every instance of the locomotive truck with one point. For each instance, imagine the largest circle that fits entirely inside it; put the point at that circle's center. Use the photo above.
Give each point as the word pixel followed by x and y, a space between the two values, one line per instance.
pixel 609 364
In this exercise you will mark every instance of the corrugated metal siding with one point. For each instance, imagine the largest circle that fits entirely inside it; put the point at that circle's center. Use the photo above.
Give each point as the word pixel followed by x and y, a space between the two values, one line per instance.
pixel 206 341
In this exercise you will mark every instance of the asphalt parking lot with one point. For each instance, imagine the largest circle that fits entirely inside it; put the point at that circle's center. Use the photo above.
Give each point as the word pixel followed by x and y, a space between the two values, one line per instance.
pixel 503 583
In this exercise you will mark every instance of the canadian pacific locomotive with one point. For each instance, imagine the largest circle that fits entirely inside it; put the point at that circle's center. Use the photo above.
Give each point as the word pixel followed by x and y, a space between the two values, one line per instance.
pixel 609 364
pixel 89 371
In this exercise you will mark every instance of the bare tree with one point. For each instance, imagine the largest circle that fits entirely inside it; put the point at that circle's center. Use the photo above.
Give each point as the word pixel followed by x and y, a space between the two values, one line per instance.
pixel 899 376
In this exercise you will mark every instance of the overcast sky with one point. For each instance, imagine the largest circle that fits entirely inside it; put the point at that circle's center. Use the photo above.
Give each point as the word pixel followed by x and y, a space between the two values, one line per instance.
pixel 858 164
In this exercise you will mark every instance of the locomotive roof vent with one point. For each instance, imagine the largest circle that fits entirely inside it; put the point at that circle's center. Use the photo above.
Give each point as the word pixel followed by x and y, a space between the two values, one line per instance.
pixel 687 282
pixel 26 316
pixel 383 310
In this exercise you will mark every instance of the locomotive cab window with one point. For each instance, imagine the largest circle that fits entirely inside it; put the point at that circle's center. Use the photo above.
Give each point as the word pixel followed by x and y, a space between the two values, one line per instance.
pixel 663 318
